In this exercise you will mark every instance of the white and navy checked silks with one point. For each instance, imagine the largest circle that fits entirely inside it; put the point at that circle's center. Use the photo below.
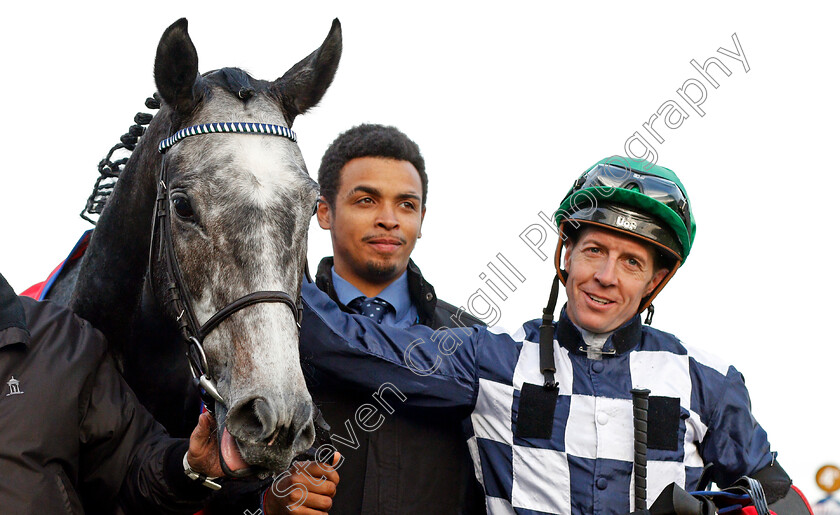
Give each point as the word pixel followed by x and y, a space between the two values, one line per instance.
pixel 586 466
pixel 227 127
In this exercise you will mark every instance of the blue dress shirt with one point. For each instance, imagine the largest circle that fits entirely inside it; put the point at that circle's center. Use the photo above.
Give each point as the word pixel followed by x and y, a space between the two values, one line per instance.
pixel 396 294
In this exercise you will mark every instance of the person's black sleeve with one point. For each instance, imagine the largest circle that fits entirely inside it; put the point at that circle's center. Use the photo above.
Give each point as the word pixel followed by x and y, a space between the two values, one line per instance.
pixel 124 449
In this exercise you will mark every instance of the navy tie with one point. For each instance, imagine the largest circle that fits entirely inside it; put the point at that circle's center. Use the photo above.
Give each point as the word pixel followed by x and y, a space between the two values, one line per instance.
pixel 374 308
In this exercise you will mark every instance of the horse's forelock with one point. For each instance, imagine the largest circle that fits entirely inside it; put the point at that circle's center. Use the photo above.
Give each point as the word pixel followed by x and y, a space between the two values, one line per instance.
pixel 234 80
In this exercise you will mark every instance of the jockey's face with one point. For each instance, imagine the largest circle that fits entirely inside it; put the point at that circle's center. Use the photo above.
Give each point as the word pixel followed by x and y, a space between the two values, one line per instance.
pixel 609 275
pixel 375 222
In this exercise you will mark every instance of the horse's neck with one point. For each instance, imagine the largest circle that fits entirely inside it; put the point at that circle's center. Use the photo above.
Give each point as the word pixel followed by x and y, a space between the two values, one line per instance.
pixel 110 281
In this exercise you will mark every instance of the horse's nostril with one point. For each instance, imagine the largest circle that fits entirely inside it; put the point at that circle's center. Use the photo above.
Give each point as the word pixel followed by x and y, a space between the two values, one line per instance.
pixel 302 431
pixel 253 420
pixel 306 435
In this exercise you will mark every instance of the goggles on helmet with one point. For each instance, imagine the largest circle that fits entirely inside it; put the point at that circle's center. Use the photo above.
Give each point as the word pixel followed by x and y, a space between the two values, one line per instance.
pixel 615 177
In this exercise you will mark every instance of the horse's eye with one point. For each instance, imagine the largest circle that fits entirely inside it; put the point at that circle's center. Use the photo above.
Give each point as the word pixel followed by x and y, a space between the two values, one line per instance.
pixel 182 206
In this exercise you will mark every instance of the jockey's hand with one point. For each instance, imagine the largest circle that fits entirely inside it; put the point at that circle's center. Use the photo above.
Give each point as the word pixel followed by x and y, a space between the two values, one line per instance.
pixel 203 455
pixel 307 488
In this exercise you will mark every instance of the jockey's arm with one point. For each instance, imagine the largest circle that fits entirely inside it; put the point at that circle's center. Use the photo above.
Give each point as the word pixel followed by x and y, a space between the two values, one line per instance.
pixel 434 369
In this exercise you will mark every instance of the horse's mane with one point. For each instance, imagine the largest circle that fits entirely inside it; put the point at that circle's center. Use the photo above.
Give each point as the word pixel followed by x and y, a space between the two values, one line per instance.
pixel 234 80
pixel 111 166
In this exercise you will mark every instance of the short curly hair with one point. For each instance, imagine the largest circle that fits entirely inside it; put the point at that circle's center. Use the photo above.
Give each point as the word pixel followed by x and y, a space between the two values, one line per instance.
pixel 368 140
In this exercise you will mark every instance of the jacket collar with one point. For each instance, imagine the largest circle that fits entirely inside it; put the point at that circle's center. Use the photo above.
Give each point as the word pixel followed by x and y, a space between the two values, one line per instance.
pixel 625 338
pixel 421 292
pixel 12 317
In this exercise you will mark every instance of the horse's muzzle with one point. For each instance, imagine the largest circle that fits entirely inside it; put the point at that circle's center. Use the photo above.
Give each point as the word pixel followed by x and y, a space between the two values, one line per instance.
pixel 268 434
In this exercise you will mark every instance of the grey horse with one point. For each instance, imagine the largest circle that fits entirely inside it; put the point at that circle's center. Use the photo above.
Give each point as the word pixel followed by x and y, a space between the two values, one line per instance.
pixel 238 210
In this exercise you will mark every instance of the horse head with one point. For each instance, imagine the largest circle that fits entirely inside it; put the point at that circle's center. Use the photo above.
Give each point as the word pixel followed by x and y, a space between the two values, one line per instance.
pixel 237 209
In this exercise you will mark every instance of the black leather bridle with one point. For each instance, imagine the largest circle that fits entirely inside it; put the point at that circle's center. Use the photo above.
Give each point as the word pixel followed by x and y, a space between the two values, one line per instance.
pixel 192 331
pixel 178 294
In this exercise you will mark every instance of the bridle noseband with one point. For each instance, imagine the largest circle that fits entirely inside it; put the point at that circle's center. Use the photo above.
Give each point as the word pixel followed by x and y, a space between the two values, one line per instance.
pixel 193 332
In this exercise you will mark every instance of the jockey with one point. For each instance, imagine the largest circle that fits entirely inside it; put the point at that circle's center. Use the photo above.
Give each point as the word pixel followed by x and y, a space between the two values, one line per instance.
pixel 551 418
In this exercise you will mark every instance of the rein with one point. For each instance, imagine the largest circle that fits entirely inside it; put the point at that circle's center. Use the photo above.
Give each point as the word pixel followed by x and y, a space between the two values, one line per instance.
pixel 193 332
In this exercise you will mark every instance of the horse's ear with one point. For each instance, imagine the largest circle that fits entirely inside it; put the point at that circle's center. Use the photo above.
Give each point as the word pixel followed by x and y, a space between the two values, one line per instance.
pixel 176 67
pixel 306 82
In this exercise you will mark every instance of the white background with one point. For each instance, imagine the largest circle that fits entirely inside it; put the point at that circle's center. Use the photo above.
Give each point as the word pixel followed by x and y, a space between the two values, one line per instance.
pixel 509 103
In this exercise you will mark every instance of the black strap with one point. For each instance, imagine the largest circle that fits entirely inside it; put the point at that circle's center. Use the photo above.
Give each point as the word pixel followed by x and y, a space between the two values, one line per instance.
pixel 306 273
pixel 705 480
pixel 245 301
pixel 547 336
pixel 649 317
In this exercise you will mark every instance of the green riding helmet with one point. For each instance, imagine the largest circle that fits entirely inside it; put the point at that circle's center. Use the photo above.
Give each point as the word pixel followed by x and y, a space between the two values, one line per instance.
pixel 637 198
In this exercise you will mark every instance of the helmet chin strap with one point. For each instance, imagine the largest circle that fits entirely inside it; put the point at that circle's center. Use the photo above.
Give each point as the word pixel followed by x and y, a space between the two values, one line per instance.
pixel 547 337
pixel 649 317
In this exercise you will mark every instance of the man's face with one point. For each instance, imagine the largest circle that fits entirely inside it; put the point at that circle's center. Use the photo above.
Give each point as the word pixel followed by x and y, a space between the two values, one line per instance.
pixel 375 221
pixel 609 275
